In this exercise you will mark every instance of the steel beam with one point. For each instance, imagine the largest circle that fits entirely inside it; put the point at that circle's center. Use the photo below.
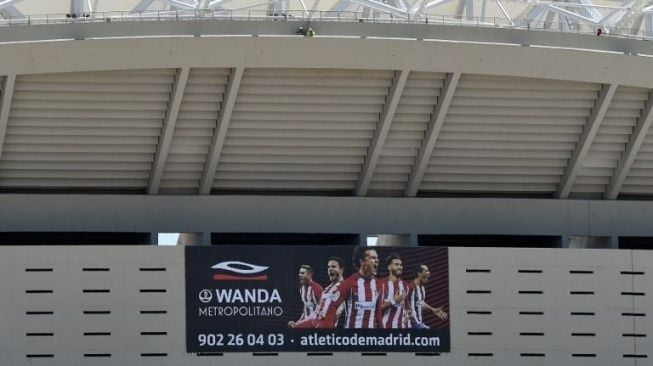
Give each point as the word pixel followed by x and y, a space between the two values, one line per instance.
pixel 142 6
pixel 381 7
pixel 505 13
pixel 6 96
pixel 7 3
pixel 381 132
pixel 435 126
pixel 220 133
pixel 182 5
pixel 469 9
pixel 168 130
pixel 77 7
pixel 11 12
pixel 589 133
pixel 571 14
pixel 460 7
pixel 632 148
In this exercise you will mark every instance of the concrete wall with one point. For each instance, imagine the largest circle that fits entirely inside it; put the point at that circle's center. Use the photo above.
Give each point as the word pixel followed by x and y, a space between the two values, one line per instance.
pixel 117 305
pixel 334 215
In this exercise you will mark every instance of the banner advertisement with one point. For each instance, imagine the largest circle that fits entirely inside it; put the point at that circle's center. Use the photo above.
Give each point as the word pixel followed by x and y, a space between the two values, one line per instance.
pixel 276 298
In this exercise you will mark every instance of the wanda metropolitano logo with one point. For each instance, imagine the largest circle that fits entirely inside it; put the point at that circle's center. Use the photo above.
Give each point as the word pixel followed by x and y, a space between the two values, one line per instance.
pixel 239 271
pixel 229 298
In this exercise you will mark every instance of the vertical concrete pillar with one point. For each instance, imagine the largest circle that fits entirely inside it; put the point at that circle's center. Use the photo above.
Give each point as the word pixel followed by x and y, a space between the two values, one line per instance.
pixel 195 239
pixel 397 240
pixel 614 242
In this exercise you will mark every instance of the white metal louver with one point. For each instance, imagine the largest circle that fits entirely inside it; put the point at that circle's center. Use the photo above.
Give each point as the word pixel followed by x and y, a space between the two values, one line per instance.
pixel 505 134
pixel 301 129
pixel 196 122
pixel 639 180
pixel 611 139
pixel 407 132
pixel 87 130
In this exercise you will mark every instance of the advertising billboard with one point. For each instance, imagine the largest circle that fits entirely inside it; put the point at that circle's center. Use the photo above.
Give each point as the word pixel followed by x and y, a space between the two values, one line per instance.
pixel 317 299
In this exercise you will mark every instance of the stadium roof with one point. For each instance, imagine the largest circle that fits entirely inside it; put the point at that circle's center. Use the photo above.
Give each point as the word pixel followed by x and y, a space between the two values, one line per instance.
pixel 329 115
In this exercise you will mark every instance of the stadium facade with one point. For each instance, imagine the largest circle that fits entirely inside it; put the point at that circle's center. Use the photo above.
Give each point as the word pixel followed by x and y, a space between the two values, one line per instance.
pixel 527 152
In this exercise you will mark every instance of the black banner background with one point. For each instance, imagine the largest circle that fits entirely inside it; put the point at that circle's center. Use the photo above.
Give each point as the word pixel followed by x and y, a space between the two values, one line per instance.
pixel 271 333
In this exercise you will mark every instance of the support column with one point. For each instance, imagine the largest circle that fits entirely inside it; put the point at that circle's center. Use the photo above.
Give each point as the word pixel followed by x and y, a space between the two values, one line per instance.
pixel 194 239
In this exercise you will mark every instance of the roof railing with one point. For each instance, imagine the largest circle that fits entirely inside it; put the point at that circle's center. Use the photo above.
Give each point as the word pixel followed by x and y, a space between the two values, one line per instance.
pixel 324 15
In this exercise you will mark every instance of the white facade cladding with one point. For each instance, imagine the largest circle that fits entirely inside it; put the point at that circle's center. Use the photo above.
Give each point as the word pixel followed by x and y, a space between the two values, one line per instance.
pixel 114 305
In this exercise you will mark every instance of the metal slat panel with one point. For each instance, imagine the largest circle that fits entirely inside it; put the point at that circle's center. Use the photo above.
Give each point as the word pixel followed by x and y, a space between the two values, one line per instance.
pixel 512 128
pixel 82 148
pixel 509 134
pixel 284 185
pixel 517 102
pixel 134 89
pixel 317 92
pixel 301 128
pixel 70 174
pixel 81 131
pixel 501 153
pixel 197 119
pixel 521 112
pixel 317 82
pixel 517 120
pixel 74 140
pixel 285 159
pixel 96 96
pixel 305 108
pixel 82 122
pixel 334 117
pixel 299 134
pixel 495 170
pixel 10 165
pixel 508 137
pixel 290 168
pixel 311 99
pixel 87 105
pixel 85 130
pixel 639 181
pixel 487 187
pixel 410 122
pixel 88 114
pixel 611 140
pixel 85 183
pixel 311 125
pixel 73 157
pixel 532 94
pixel 516 83
pixel 319 73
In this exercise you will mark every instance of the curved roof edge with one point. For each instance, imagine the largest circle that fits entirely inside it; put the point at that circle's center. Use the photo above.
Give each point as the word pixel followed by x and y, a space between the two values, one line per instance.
pixel 111 46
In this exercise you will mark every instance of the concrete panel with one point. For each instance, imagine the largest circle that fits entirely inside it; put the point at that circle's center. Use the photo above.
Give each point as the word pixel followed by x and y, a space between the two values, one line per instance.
pixel 503 327
pixel 284 214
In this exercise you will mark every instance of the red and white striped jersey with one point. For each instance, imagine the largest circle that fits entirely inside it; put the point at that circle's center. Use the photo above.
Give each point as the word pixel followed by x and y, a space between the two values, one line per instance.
pixel 311 295
pixel 363 303
pixel 328 295
pixel 416 295
pixel 396 315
